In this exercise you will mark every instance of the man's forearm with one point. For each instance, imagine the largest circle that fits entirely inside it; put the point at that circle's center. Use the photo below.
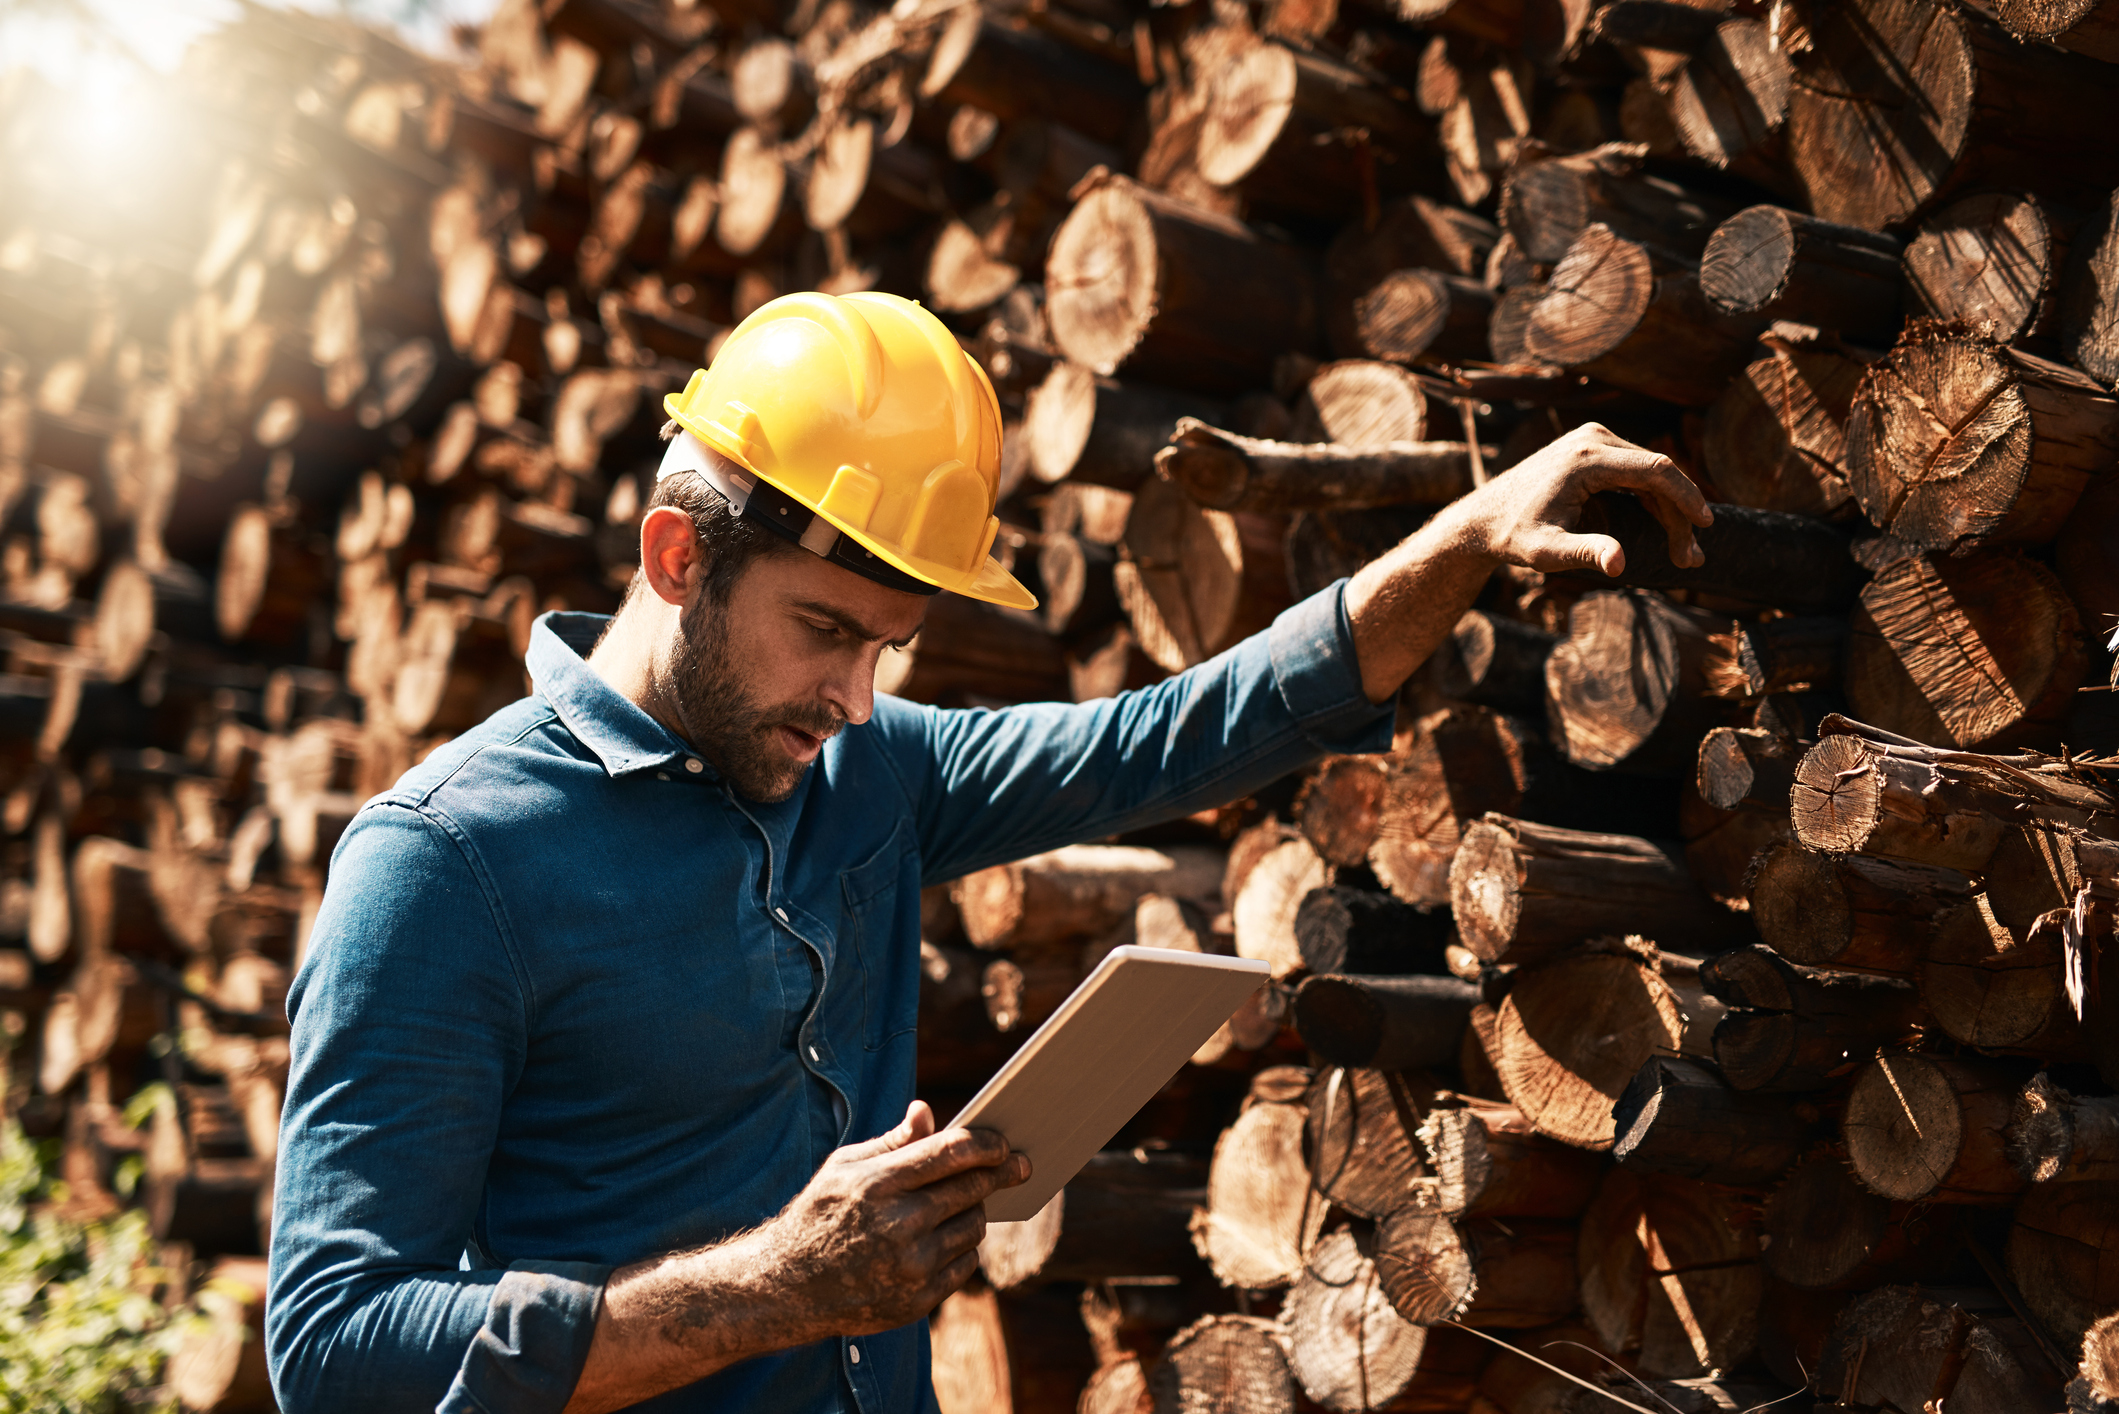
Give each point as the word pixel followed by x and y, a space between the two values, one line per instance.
pixel 667 1322
pixel 1403 605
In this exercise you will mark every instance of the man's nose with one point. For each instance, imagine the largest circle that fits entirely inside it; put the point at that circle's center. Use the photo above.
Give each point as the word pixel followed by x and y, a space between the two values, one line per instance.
pixel 852 690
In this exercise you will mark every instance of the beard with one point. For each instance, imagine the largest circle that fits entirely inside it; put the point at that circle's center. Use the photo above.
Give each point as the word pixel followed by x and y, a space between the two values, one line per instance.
pixel 730 728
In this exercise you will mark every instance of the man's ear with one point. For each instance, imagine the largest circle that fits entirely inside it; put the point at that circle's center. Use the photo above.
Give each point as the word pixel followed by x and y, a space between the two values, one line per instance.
pixel 669 553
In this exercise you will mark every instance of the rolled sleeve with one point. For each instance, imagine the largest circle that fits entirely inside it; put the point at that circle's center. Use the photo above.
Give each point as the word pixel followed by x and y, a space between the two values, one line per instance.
pixel 529 1353
pixel 1319 676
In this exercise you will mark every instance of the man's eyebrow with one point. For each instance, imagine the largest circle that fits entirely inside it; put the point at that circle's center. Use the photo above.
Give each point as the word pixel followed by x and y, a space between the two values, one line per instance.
pixel 851 624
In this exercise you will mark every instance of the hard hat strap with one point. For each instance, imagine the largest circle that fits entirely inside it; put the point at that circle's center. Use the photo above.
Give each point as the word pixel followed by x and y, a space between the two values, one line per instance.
pixel 755 499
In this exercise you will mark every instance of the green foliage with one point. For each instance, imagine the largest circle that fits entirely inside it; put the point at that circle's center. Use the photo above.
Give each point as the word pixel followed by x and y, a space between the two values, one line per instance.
pixel 80 1329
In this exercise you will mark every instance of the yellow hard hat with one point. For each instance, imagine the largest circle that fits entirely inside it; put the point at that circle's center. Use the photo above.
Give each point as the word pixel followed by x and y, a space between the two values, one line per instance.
pixel 865 413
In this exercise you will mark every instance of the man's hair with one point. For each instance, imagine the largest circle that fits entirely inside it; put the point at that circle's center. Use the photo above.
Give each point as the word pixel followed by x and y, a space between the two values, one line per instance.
pixel 730 543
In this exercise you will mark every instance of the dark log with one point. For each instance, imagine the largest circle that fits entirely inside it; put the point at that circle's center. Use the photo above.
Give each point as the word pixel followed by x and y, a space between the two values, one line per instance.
pixel 1770 559
pixel 1140 280
pixel 1261 1216
pixel 1522 891
pixel 1922 1128
pixel 1979 653
pixel 2086 557
pixel 1790 1028
pixel 1793 654
pixel 1079 891
pixel 970 653
pixel 2095 1388
pixel 1494 662
pixel 1680 1117
pixel 1896 109
pixel 2090 292
pixel 1995 256
pixel 1824 1231
pixel 2058 1255
pixel 2057 1137
pixel 1670 1270
pixel 1226 471
pixel 1461 764
pixel 1101 432
pixel 270 577
pixel 1195 580
pixel 1355 931
pixel 1360 403
pixel 1414 233
pixel 2000 988
pixel 1390 1023
pixel 1742 766
pixel 1780 264
pixel 1548 202
pixel 1956 441
pixel 1233 1363
pixel 1126 1214
pixel 1425 314
pixel 1019 73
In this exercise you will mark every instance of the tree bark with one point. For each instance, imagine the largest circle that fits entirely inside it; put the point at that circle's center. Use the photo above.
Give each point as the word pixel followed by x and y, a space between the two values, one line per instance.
pixel 1920 805
pixel 1018 73
pixel 1562 1068
pixel 2057 1137
pixel 1392 1023
pixel 1925 1128
pixel 1792 1028
pixel 1141 281
pixel 1978 653
pixel 1775 263
pixel 1770 559
pixel 1523 892
pixel 1342 930
pixel 1680 1117
pixel 1956 441
pixel 1230 472
pixel 1096 431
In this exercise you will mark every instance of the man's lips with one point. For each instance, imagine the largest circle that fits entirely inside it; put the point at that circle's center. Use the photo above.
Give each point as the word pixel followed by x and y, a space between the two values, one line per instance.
pixel 801 745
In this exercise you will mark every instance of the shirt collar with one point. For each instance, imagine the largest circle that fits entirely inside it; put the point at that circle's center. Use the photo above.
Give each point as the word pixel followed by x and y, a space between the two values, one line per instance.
pixel 623 737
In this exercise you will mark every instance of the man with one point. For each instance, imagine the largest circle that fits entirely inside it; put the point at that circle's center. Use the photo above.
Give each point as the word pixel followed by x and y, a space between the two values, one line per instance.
pixel 603 1047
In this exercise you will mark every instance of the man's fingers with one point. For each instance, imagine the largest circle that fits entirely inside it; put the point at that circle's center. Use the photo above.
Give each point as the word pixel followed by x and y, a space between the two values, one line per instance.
pixel 962 1233
pixel 962 1192
pixel 1668 492
pixel 917 1125
pixel 1552 550
pixel 938 1156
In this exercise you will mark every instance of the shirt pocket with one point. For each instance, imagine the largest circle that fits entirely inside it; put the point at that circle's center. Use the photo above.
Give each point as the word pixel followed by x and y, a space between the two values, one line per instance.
pixel 871 896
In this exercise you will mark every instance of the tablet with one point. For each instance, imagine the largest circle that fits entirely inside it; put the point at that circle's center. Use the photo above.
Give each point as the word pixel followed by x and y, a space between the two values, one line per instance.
pixel 1112 1044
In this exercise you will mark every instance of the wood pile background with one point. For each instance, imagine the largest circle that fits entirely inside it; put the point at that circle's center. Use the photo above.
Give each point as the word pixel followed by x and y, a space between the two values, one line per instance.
pixel 1704 997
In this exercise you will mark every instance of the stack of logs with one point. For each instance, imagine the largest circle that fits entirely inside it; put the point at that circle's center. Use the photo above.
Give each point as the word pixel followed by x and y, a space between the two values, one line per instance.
pixel 1699 1008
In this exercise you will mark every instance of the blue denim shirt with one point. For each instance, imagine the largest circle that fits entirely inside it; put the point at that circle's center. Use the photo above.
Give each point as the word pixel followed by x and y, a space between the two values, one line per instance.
pixel 571 1003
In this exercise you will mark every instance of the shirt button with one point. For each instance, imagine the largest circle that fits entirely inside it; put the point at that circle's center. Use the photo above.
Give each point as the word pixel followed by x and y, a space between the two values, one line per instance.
pixel 662 775
pixel 781 914
pixel 854 1353
pixel 812 1052
pixel 692 765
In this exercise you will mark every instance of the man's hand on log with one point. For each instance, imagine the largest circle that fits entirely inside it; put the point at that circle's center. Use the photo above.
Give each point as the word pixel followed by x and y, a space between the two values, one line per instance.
pixel 1402 606
pixel 1529 514
pixel 876 1239
pixel 888 1228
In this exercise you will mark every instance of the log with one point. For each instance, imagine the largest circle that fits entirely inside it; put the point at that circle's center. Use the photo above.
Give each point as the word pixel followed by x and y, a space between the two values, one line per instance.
pixel 1955 440
pixel 1680 1117
pixel 1995 256
pixel 2054 1136
pixel 1141 281
pixel 2095 1388
pixel 1413 233
pixel 1548 202
pixel 1494 662
pixel 1895 1348
pixel 1260 1217
pixel 1302 135
pixel 1362 1138
pixel 1930 1129
pixel 1360 403
pixel 1338 810
pixel 459 668
pixel 1851 913
pixel 2000 988
pixel 1523 892
pixel 1610 313
pixel 1823 1231
pixel 1979 653
pixel 1626 689
pixel 1358 931
pixel 1793 1028
pixel 269 578
pixel 1572 1034
pixel 971 654
pixel 1462 764
pixel 1194 580
pixel 1775 263
pixel 1126 1214
pixel 1762 558
pixel 1347 1346
pixel 1391 1023
pixel 2089 292
pixel 1100 432
pixel 1776 438
pixel 1798 653
pixel 1744 766
pixel 1413 315
pixel 220 1363
pixel 1076 891
pixel 1230 472
pixel 1669 1269
pixel 1077 587
pixel 1019 73
pixel 2086 557
pixel 1895 109
pixel 1730 100
pixel 756 216
pixel 1482 1272
pixel 1228 1364
pixel 1489 1161
pixel 1918 805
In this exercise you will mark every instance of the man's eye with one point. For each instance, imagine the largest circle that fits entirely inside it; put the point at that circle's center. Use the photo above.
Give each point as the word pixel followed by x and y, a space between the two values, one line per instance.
pixel 824 630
